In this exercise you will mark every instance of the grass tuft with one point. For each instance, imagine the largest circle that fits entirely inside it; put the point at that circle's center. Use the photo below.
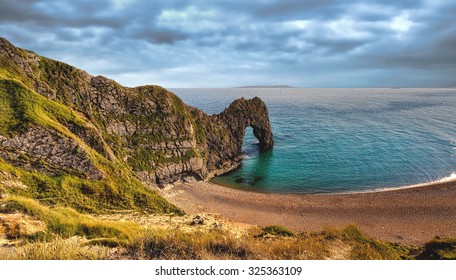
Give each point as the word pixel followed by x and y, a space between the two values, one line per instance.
pixel 277 231
pixel 176 244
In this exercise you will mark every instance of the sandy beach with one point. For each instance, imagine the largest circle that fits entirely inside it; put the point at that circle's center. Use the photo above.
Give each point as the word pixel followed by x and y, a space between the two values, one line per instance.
pixel 409 215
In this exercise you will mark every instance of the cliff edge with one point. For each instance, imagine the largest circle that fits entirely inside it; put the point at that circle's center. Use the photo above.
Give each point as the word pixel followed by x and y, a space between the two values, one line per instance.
pixel 68 127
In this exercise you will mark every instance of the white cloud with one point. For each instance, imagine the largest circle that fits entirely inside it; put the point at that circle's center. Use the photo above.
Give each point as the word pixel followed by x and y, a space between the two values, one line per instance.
pixel 299 24
pixel 347 28
pixel 401 23
pixel 190 19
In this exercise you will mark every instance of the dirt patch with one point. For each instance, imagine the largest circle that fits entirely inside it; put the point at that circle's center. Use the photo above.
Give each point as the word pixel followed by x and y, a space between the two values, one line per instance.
pixel 15 226
pixel 206 222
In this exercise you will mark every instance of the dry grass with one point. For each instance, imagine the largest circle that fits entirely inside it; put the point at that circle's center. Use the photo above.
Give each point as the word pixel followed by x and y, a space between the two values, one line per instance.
pixel 72 235
pixel 57 249
pixel 175 244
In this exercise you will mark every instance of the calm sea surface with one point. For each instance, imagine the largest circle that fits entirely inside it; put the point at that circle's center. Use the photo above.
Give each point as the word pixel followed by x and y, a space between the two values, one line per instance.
pixel 343 140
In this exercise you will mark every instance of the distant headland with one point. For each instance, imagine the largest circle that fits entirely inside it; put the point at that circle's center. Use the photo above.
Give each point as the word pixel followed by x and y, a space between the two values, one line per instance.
pixel 271 86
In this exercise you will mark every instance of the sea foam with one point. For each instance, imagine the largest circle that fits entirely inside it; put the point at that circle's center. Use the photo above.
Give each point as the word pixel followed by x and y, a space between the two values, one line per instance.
pixel 452 177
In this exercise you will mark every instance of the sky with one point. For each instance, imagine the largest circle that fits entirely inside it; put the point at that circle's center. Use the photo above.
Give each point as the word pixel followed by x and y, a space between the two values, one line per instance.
pixel 229 43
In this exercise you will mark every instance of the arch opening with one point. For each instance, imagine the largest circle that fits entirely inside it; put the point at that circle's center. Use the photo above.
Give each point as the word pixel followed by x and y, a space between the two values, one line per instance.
pixel 250 144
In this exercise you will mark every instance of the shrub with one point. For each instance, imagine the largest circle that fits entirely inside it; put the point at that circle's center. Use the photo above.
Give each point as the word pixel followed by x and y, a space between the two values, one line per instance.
pixel 277 231
pixel 439 249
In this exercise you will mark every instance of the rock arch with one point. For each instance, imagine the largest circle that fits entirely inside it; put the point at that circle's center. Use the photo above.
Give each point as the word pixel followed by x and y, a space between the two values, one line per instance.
pixel 243 113
pixel 225 134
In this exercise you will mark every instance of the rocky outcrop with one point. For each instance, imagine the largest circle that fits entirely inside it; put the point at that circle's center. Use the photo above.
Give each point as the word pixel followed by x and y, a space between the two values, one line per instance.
pixel 147 128
pixel 48 151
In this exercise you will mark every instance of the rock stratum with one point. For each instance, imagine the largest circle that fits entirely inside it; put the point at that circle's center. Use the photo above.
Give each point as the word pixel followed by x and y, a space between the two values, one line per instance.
pixel 63 128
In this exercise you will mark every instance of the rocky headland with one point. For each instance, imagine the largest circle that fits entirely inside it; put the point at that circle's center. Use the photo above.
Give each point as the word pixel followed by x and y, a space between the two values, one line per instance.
pixel 147 129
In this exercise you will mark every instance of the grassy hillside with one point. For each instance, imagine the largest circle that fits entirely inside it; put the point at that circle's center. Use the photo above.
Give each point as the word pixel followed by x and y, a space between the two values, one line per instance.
pixel 23 108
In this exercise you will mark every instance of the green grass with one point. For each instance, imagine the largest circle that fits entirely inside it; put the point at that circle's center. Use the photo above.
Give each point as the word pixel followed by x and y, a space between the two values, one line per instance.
pixel 148 160
pixel 11 71
pixel 63 79
pixel 364 247
pixel 66 222
pixel 276 230
pixel 13 114
pixel 21 107
pixel 90 196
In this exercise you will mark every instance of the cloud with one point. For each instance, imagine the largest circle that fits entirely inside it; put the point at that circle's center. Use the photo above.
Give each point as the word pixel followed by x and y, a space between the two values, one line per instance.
pixel 314 43
pixel 190 19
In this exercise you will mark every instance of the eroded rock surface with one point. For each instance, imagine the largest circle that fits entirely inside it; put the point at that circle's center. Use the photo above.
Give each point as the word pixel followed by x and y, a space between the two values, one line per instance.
pixel 48 151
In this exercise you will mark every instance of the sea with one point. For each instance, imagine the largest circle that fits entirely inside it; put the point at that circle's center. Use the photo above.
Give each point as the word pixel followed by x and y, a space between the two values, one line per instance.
pixel 342 140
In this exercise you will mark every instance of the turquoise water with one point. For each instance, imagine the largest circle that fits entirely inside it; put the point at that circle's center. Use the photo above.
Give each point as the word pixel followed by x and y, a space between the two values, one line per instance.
pixel 343 140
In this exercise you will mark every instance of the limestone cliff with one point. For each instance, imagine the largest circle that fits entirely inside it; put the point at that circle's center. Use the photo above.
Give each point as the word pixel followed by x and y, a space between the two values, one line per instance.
pixel 60 121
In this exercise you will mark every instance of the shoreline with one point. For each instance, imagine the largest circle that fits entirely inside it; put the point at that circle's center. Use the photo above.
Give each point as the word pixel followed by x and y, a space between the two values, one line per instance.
pixel 448 179
pixel 411 215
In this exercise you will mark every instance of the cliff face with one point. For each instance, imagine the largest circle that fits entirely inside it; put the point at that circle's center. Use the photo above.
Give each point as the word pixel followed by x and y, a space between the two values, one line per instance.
pixel 59 120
